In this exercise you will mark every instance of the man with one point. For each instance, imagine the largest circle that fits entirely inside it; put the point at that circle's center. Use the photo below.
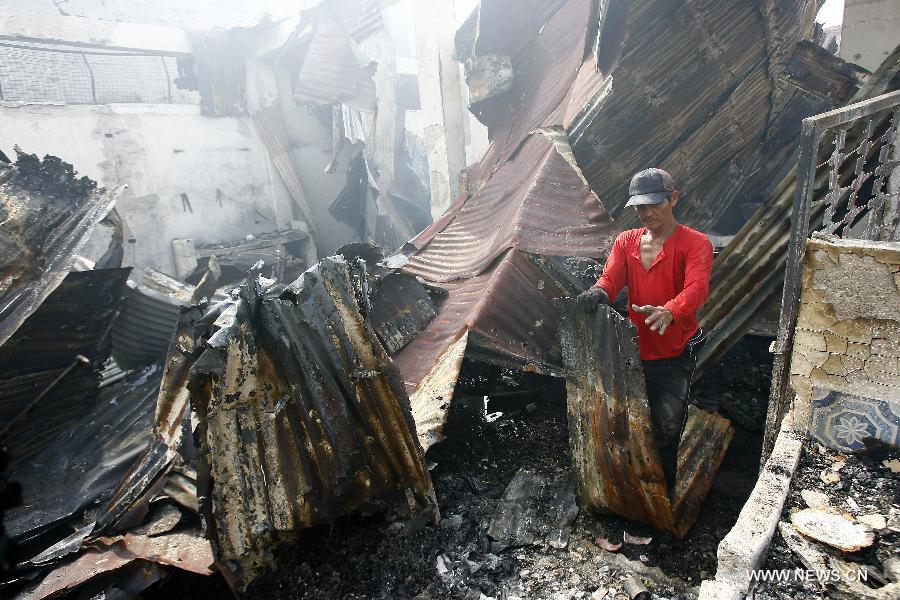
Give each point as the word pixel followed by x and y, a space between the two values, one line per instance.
pixel 666 267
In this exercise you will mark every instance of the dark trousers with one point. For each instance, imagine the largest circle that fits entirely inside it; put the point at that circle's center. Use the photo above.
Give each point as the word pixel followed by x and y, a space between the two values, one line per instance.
pixel 668 391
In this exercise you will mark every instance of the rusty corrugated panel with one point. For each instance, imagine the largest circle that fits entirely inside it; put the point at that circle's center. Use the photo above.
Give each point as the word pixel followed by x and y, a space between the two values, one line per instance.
pixel 302 416
pixel 537 203
pixel 73 320
pixel 486 318
pixel 610 429
pixel 47 217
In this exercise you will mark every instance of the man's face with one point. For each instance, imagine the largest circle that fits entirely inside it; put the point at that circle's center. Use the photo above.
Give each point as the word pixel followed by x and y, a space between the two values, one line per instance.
pixel 654 216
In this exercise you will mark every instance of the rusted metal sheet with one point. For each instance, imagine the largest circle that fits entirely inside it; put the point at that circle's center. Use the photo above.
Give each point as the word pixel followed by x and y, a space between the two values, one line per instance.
pixel 47 217
pixel 73 320
pixel 537 203
pixel 610 431
pixel 301 414
pixel 486 318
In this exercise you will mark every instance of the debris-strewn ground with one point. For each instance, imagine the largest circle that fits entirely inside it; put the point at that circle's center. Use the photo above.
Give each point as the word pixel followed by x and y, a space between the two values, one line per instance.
pixel 855 486
pixel 365 557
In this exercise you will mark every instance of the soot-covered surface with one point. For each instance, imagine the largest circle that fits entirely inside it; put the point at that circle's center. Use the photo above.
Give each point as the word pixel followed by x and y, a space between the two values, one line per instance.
pixel 367 557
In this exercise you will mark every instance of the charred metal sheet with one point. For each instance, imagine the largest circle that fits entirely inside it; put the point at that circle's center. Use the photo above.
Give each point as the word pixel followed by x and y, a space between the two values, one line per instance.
pixel 47 216
pixel 83 465
pixel 815 70
pixel 302 417
pixel 401 309
pixel 485 318
pixel 747 276
pixel 610 432
pixel 723 78
pixel 73 320
pixel 221 72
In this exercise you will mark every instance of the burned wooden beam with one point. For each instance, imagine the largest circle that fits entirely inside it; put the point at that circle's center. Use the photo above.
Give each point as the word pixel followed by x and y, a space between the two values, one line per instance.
pixel 614 454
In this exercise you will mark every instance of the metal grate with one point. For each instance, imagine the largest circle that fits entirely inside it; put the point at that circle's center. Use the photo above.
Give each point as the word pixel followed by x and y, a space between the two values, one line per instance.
pixel 863 206
pixel 31 72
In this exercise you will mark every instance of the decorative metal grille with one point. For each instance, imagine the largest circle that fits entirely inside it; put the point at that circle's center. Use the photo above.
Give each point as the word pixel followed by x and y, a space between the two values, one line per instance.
pixel 32 72
pixel 863 206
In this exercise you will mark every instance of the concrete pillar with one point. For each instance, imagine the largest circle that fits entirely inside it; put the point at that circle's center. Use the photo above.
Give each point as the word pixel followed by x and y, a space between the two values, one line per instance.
pixel 441 94
pixel 869 32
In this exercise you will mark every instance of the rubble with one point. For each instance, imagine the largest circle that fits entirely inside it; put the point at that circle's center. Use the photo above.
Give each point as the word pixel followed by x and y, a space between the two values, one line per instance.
pixel 834 530
pixel 873 487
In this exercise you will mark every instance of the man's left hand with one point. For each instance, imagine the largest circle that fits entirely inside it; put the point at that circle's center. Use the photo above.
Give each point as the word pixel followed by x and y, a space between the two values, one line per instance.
pixel 659 317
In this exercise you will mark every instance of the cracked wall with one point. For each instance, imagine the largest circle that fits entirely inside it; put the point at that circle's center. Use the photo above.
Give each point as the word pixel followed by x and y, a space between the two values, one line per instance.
pixel 845 367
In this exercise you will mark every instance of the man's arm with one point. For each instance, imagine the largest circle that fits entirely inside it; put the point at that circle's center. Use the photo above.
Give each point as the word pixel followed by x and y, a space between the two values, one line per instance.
pixel 696 281
pixel 615 270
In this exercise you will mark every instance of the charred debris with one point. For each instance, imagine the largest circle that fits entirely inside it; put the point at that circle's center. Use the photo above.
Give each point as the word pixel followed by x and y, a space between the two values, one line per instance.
pixel 213 418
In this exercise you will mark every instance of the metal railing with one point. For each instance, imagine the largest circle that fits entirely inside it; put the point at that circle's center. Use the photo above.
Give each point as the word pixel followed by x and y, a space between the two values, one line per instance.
pixel 848 193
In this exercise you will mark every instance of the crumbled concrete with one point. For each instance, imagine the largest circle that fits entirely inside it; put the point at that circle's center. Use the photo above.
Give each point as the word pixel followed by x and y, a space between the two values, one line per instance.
pixel 847 337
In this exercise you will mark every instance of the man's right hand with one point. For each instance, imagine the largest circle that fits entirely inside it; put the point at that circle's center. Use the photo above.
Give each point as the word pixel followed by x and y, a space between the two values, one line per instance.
pixel 593 297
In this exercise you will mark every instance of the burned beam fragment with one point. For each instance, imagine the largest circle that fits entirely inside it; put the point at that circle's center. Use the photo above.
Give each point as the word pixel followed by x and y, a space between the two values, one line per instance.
pixel 302 418
pixel 614 454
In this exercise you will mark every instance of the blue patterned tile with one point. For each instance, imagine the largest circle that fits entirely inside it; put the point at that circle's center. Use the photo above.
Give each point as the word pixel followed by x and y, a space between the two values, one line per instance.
pixel 841 420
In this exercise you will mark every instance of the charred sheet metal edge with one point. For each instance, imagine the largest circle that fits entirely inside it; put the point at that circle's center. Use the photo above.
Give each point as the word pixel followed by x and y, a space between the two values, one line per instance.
pixel 332 388
pixel 614 454
pixel 79 226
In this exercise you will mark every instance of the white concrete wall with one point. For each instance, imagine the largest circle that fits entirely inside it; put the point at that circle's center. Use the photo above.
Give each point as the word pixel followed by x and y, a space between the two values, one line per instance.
pixel 199 15
pixel 870 32
pixel 160 151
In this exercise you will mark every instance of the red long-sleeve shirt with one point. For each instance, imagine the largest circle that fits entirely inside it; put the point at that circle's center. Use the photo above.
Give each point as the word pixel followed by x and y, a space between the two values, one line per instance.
pixel 678 279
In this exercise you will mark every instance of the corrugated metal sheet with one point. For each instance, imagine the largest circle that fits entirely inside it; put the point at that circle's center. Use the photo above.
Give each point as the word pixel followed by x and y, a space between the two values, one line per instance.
pixel 302 415
pixel 335 70
pixel 747 276
pixel 610 429
pixel 401 309
pixel 141 334
pixel 73 320
pixel 537 203
pixel 359 18
pixel 83 465
pixel 697 88
pixel 48 216
pixel 487 318
pixel 694 92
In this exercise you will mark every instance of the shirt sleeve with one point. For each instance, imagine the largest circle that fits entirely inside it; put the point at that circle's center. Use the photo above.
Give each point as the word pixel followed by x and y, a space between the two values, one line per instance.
pixel 698 266
pixel 615 270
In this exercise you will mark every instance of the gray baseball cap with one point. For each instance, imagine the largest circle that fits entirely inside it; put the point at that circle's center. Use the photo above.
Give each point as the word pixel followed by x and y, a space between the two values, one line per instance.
pixel 650 186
